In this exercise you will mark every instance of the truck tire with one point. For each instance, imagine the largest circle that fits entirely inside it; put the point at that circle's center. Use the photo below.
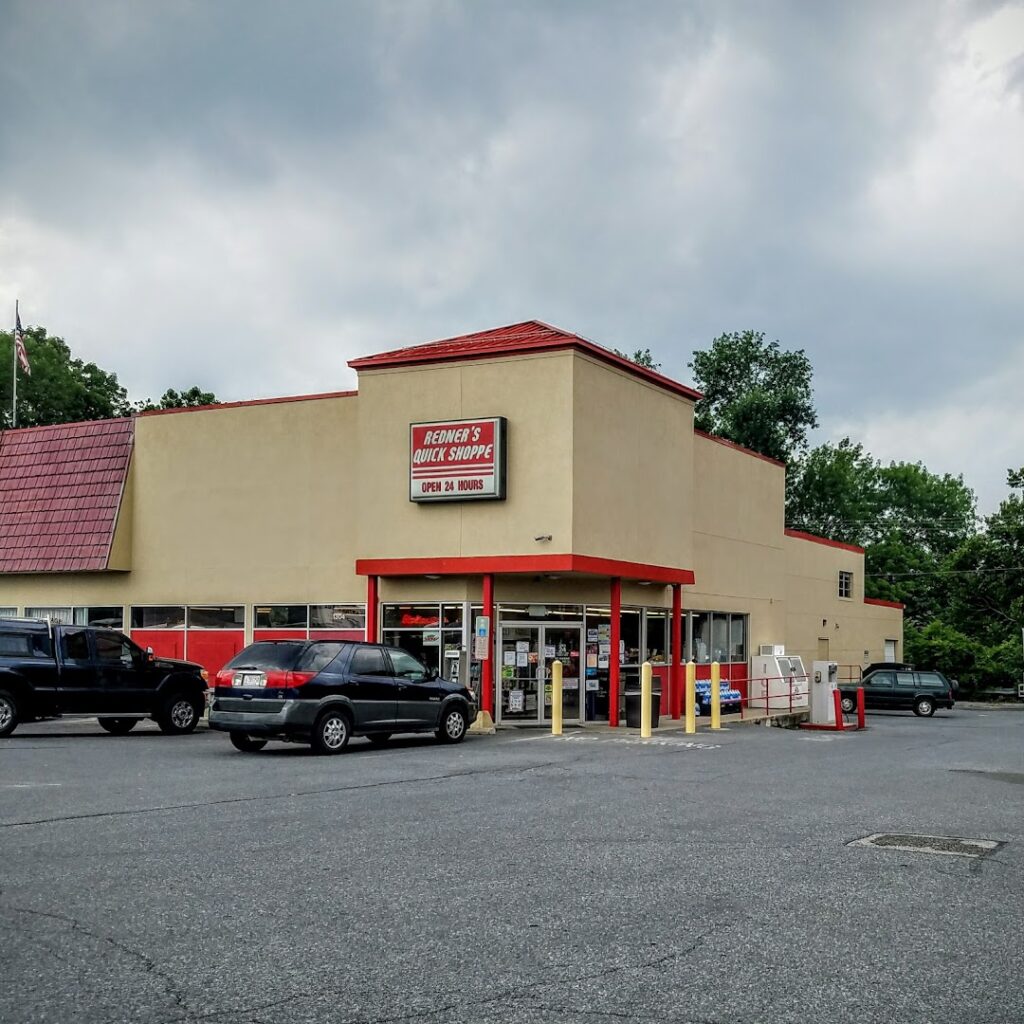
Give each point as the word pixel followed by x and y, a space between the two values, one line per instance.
pixel 180 714
pixel 8 713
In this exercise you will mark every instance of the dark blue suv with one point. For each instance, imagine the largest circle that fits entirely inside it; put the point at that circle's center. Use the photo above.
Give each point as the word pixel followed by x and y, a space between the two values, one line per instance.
pixel 323 692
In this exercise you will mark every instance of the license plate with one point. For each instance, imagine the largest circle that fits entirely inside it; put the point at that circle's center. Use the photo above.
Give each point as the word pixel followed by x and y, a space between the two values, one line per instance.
pixel 249 680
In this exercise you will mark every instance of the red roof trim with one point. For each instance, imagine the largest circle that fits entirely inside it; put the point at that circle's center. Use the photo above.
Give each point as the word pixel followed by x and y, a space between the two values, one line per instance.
pixel 480 565
pixel 514 339
pixel 738 447
pixel 800 535
pixel 884 604
pixel 252 401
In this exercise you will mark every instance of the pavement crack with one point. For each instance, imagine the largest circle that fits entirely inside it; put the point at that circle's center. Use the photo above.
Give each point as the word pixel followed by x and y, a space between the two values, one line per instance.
pixel 265 797
pixel 149 965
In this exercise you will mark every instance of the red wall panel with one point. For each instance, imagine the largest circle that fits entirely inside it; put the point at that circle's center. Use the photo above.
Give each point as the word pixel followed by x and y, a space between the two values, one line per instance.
pixel 166 643
pixel 212 648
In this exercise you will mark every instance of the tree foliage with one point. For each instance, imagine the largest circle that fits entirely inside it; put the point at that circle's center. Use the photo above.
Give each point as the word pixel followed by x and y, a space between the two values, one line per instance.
pixel 642 357
pixel 63 389
pixel 755 394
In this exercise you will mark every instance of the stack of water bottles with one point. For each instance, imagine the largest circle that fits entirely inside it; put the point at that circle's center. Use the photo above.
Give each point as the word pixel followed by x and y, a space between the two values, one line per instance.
pixel 729 698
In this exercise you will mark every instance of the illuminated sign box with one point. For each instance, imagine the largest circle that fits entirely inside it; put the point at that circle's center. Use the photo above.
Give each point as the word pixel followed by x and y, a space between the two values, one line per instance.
pixel 457 460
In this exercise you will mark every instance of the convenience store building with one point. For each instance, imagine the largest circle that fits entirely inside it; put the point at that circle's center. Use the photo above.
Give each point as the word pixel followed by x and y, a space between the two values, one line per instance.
pixel 523 475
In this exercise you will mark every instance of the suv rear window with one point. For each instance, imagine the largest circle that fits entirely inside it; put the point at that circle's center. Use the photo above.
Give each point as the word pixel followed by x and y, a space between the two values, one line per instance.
pixel 281 655
pixel 318 656
pixel 932 679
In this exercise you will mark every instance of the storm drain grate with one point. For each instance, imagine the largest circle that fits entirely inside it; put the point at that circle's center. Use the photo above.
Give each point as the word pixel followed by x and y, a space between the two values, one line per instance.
pixel 948 846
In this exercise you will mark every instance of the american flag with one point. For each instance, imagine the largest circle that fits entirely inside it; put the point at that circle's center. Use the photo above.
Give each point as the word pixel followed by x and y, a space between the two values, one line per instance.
pixel 19 345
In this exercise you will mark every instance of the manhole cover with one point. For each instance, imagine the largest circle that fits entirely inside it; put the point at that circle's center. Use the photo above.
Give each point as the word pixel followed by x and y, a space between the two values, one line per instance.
pixel 949 846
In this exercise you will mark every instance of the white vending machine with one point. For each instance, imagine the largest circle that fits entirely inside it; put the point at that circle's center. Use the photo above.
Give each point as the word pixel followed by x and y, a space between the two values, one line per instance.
pixel 824 683
pixel 778 681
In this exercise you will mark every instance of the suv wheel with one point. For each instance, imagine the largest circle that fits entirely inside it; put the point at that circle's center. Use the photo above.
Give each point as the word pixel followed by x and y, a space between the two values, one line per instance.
pixel 8 714
pixel 453 725
pixel 924 707
pixel 180 715
pixel 330 732
pixel 246 743
pixel 848 705
pixel 118 726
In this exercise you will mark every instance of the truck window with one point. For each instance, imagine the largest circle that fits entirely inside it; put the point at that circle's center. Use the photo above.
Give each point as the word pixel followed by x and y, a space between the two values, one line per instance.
pixel 76 645
pixel 15 645
pixel 112 649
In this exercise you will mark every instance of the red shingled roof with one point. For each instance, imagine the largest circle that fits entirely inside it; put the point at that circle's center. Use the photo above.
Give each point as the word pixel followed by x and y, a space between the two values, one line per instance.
pixel 516 339
pixel 60 490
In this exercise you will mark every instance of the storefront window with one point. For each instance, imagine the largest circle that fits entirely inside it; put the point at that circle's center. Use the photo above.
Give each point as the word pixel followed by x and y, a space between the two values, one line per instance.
pixel 8 613
pixel 629 637
pixel 62 616
pixel 737 638
pixel 165 616
pixel 337 616
pixel 111 617
pixel 411 616
pixel 216 617
pixel 657 637
pixel 422 644
pixel 282 616
pixel 702 637
pixel 719 637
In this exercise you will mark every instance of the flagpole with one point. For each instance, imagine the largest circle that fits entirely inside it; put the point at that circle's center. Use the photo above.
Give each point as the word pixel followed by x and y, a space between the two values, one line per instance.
pixel 14 370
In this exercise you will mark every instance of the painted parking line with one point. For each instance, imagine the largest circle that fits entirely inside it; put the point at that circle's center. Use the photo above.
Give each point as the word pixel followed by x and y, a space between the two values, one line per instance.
pixel 29 785
pixel 633 741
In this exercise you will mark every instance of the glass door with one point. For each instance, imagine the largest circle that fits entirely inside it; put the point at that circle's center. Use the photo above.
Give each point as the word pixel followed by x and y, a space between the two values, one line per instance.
pixel 519 671
pixel 562 643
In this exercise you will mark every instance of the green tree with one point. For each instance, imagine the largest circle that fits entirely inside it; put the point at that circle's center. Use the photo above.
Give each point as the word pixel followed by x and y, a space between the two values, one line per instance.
pixel 171 399
pixel 61 388
pixel 642 357
pixel 755 394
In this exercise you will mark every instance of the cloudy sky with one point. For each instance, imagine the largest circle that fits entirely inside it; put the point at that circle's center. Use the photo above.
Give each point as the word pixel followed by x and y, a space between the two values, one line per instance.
pixel 246 194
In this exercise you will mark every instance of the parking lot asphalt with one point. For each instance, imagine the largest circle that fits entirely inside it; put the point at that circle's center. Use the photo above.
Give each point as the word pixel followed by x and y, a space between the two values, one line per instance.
pixel 517 877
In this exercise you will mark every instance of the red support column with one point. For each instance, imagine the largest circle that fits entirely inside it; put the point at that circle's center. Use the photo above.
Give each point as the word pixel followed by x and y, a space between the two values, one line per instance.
pixel 487 669
pixel 613 660
pixel 371 609
pixel 676 668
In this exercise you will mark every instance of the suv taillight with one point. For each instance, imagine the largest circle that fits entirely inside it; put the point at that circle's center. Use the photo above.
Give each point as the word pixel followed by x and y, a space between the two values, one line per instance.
pixel 223 678
pixel 279 680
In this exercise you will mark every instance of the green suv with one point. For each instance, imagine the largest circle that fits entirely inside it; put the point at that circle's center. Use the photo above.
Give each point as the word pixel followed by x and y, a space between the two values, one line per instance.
pixel 900 690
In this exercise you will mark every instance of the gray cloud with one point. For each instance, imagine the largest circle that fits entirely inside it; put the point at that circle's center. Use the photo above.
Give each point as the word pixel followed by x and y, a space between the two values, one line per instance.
pixel 248 194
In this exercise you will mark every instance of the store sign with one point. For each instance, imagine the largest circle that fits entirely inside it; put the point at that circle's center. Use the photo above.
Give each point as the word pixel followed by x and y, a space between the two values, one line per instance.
pixel 457 460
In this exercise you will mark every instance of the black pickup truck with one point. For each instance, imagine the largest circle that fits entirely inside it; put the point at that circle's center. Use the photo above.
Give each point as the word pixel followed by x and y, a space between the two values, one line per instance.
pixel 48 670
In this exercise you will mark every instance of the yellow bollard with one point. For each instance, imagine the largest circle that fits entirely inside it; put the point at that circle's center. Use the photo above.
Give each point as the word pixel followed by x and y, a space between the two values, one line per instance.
pixel 556 698
pixel 691 697
pixel 716 695
pixel 645 700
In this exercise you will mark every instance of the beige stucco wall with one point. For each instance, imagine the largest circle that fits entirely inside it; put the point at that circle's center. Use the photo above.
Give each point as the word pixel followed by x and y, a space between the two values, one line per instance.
pixel 632 471
pixel 814 610
pixel 533 392
pixel 739 560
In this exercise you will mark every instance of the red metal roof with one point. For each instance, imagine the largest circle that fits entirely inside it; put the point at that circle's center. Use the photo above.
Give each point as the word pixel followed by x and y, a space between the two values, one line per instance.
pixel 60 491
pixel 515 339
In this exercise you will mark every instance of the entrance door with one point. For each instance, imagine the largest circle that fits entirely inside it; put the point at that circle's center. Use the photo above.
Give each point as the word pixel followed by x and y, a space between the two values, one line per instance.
pixel 562 643
pixel 526 654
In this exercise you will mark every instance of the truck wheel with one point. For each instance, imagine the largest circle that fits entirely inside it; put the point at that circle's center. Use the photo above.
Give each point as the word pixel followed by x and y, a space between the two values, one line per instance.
pixel 246 743
pixel 8 714
pixel 118 726
pixel 180 714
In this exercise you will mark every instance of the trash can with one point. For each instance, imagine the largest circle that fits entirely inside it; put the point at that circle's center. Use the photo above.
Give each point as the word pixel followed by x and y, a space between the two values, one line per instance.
pixel 633 705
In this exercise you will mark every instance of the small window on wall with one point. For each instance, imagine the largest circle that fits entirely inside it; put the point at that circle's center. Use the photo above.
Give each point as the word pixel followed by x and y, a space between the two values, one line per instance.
pixel 845 583
pixel 281 616
pixel 337 616
pixel 164 616
pixel 8 613
pixel 216 617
